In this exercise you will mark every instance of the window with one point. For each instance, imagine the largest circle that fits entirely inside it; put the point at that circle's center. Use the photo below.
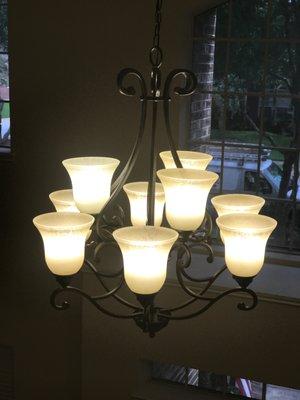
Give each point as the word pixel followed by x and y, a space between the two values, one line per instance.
pixel 246 110
pixel 239 388
pixel 4 81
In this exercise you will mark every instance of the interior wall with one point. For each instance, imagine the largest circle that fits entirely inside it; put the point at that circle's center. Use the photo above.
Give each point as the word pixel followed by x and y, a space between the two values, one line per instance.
pixel 65 56
pixel 261 344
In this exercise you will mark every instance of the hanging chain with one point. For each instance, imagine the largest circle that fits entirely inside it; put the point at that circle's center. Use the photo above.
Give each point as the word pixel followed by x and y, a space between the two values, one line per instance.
pixel 156 37
pixel 156 52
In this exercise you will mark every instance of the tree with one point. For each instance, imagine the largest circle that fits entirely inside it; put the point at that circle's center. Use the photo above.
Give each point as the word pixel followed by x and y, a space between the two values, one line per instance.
pixel 247 70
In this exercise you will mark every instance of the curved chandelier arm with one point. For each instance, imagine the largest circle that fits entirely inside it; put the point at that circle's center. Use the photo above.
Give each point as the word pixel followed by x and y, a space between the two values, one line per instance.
pixel 135 151
pixel 187 90
pixel 118 184
pixel 210 281
pixel 201 242
pixel 130 90
pixel 180 273
pixel 117 220
pixel 184 258
pixel 102 274
pixel 241 306
pixel 64 305
pixel 122 178
pixel 99 277
pixel 190 83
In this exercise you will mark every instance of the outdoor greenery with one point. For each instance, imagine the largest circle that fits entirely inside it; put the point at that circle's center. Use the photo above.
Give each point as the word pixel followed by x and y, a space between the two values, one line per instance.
pixel 252 137
pixel 259 65
pixel 5 113
pixel 3 46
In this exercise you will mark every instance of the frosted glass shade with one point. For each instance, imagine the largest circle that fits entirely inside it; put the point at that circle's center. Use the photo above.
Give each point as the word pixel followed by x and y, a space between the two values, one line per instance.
pixel 64 235
pixel 91 181
pixel 137 195
pixel 237 203
pixel 245 237
pixel 145 253
pixel 63 201
pixel 189 159
pixel 186 192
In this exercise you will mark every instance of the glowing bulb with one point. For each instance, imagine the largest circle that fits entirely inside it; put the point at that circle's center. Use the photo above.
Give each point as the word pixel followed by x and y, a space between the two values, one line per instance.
pixel 64 235
pixel 137 195
pixel 245 237
pixel 186 192
pixel 91 181
pixel 145 253
pixel 63 201
pixel 237 203
pixel 189 159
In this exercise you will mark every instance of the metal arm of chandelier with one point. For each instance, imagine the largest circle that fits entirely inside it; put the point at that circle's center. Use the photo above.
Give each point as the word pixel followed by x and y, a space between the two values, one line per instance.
pixel 146 314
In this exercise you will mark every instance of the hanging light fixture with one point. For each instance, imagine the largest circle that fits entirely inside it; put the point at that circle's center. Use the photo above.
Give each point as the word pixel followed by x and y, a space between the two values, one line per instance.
pixel 81 220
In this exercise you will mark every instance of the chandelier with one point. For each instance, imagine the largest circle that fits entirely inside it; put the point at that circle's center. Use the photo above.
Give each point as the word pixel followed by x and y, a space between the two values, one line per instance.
pixel 81 230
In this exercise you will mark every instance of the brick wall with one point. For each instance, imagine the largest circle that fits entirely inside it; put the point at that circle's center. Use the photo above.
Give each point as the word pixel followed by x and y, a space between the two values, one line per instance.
pixel 203 66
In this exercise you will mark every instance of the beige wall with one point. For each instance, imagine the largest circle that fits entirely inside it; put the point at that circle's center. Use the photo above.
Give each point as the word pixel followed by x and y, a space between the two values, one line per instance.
pixel 65 56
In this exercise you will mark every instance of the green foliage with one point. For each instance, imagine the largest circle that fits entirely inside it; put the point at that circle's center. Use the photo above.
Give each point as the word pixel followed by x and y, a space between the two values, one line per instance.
pixel 5 113
pixel 246 69
pixel 252 137
pixel 3 46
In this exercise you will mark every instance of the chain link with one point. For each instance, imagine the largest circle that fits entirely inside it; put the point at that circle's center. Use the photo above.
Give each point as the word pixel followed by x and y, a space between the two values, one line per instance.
pixel 156 37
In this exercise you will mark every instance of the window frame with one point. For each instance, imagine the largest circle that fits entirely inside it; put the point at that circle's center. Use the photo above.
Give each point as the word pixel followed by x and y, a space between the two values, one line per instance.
pixel 226 94
pixel 5 151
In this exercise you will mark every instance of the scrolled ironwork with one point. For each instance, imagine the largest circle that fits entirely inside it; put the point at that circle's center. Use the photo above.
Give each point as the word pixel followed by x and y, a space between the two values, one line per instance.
pixel 149 317
pixel 190 83
pixel 130 90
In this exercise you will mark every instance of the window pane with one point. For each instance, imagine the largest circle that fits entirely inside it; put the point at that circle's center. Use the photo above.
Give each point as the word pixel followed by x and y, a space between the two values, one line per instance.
pixel 219 67
pixel 246 66
pixel 243 119
pixel 222 20
pixel 193 377
pixel 209 380
pixel 5 124
pixel 4 77
pixel 205 24
pixel 283 69
pixel 249 18
pixel 3 28
pixel 238 163
pixel 278 115
pixel 285 19
pixel 170 372
pixel 247 388
pixel 278 392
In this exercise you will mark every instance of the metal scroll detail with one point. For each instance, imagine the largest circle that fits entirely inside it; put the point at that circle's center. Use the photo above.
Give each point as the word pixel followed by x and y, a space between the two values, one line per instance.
pixel 147 316
pixel 144 312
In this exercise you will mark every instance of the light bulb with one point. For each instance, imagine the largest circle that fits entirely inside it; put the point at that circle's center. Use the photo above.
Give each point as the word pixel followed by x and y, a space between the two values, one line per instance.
pixel 145 253
pixel 91 181
pixel 237 203
pixel 63 201
pixel 64 235
pixel 189 159
pixel 245 237
pixel 137 195
pixel 186 192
